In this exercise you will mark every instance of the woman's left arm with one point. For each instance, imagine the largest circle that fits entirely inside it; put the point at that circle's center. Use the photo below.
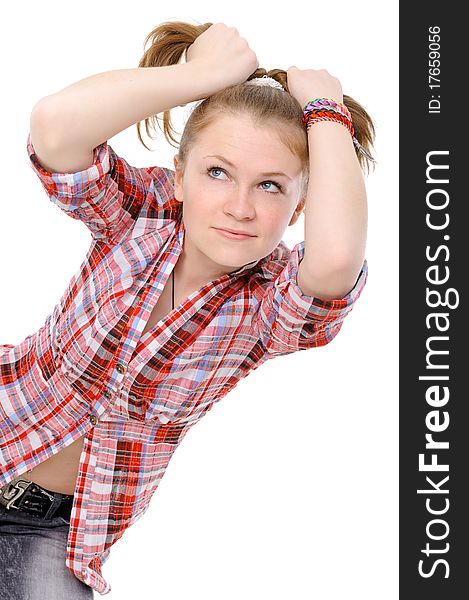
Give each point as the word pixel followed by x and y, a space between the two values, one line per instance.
pixel 336 215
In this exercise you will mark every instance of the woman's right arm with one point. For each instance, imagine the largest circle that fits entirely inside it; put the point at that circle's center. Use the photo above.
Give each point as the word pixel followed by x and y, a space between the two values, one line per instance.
pixel 66 126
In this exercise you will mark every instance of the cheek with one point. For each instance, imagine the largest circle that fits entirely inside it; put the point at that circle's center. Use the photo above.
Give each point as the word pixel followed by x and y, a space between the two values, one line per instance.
pixel 198 203
pixel 274 219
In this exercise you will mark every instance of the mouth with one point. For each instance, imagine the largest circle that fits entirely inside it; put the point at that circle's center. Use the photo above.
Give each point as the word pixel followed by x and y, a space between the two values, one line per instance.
pixel 232 235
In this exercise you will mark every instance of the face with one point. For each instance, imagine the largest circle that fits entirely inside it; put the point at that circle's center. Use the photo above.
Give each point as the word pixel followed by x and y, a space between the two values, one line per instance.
pixel 239 192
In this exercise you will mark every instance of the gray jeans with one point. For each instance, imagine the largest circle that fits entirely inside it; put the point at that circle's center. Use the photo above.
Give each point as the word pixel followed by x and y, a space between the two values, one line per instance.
pixel 32 559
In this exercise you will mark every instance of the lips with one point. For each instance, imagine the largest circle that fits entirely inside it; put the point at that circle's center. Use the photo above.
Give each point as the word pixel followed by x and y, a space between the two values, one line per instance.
pixel 235 231
pixel 233 236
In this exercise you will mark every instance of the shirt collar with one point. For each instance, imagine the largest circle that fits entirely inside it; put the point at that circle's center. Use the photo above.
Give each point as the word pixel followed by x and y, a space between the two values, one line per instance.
pixel 244 268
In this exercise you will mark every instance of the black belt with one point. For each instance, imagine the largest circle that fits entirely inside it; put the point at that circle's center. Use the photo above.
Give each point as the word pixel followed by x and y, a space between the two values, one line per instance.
pixel 31 498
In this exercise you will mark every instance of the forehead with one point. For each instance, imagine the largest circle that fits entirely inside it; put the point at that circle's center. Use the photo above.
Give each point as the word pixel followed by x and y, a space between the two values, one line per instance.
pixel 243 142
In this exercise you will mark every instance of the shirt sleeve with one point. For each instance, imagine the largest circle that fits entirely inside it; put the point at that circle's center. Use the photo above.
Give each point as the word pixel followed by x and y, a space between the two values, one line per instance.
pixel 109 194
pixel 288 320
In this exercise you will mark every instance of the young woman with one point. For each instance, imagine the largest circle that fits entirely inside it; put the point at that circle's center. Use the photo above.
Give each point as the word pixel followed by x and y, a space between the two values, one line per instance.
pixel 186 288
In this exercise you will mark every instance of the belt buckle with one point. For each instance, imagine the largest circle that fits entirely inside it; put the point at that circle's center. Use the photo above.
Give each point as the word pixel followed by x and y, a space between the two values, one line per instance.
pixel 16 490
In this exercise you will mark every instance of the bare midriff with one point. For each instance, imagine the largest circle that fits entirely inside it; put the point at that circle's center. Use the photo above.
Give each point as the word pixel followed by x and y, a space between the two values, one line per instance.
pixel 59 472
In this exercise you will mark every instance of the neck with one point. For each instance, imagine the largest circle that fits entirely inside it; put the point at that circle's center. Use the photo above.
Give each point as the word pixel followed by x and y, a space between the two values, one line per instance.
pixel 189 271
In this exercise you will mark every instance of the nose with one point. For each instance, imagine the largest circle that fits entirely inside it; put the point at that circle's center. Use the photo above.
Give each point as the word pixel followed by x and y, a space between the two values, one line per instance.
pixel 240 204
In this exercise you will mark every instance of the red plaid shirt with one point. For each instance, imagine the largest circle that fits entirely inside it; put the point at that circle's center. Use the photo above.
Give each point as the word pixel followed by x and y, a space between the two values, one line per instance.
pixel 89 371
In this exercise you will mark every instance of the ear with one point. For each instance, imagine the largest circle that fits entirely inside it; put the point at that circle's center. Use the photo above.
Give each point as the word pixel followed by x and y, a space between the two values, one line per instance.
pixel 298 210
pixel 178 175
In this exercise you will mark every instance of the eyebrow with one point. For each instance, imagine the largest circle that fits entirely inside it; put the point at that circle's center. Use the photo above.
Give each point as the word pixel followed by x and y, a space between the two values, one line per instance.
pixel 271 174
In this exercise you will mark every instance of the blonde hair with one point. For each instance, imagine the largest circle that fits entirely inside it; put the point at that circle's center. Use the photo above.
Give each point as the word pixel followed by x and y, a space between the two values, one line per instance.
pixel 264 104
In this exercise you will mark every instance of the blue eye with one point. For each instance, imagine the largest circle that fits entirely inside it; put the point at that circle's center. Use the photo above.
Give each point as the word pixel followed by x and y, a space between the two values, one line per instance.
pixel 270 183
pixel 213 169
pixel 277 185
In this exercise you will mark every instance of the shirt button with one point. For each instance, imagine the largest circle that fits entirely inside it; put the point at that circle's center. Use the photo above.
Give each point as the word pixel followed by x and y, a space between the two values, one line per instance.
pixel 120 368
pixel 107 394
pixel 94 419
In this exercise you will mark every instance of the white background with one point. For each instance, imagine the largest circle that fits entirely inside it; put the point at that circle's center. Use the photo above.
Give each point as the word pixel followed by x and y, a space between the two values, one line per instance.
pixel 288 488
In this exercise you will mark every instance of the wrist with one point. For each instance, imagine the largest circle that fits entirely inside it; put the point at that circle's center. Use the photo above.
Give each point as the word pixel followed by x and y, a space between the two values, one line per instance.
pixel 204 81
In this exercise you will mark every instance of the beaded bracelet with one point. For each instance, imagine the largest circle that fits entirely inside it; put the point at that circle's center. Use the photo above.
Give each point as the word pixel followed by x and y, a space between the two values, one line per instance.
pixel 327 109
pixel 328 103
pixel 319 114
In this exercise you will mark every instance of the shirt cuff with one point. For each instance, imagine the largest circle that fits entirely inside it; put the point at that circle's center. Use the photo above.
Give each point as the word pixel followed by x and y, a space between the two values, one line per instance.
pixel 67 189
pixel 289 320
